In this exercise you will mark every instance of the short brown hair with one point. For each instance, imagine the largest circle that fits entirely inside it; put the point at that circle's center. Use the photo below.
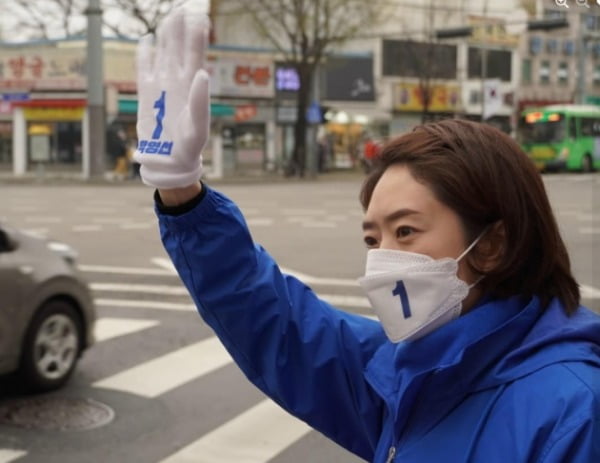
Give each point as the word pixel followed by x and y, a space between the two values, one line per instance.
pixel 483 175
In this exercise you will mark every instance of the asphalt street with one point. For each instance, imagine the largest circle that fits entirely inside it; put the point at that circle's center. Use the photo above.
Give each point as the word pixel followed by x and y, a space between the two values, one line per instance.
pixel 175 393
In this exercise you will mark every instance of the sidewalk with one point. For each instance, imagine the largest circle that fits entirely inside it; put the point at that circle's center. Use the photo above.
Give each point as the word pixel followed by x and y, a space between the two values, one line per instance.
pixel 75 178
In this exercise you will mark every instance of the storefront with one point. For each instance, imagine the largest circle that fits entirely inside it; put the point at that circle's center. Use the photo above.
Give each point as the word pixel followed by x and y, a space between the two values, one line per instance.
pixel 52 136
pixel 243 92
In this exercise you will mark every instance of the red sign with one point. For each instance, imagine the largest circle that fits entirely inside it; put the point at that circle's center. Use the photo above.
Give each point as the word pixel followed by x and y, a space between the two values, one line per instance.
pixel 245 112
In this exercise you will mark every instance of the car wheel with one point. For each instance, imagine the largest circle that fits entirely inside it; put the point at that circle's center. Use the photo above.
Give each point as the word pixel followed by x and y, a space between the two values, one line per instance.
pixel 52 347
pixel 586 164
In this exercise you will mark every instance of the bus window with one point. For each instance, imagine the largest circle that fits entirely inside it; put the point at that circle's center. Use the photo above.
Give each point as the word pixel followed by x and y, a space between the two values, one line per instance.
pixel 572 127
pixel 548 130
pixel 590 127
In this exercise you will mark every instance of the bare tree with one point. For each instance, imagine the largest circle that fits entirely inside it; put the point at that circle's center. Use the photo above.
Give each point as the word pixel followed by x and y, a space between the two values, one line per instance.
pixel 57 19
pixel 303 32
pixel 44 19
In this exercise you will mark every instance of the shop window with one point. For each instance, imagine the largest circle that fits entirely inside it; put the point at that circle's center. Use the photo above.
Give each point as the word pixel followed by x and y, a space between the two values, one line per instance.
pixel 563 73
pixel 544 72
pixel 526 71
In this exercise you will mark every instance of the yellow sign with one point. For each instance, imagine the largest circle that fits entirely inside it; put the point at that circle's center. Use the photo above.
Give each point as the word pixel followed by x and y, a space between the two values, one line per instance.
pixel 491 32
pixel 53 114
pixel 411 97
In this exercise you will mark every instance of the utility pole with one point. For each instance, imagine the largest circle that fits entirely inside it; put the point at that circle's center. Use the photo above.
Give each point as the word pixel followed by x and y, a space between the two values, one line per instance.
pixel 96 114
pixel 484 56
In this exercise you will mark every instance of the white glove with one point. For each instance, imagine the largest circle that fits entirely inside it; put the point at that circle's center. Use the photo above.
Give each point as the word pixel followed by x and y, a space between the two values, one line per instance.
pixel 173 101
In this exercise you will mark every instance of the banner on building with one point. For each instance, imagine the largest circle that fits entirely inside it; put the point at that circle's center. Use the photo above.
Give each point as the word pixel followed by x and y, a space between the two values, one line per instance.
pixel 410 97
pixel 245 77
pixel 492 98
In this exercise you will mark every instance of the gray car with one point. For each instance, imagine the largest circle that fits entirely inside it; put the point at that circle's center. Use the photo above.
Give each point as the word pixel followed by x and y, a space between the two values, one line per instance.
pixel 47 312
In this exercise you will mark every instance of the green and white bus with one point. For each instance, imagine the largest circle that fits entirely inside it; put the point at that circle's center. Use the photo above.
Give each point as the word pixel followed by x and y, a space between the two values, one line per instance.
pixel 562 137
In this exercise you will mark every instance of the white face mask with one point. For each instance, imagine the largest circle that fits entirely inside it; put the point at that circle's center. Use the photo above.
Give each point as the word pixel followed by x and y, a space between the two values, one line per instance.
pixel 413 294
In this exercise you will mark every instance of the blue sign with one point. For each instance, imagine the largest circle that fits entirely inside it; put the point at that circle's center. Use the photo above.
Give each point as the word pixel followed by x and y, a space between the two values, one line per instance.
pixel 15 96
pixel 313 114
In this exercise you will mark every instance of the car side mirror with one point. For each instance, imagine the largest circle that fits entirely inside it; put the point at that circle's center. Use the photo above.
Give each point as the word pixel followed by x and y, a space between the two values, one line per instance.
pixel 7 244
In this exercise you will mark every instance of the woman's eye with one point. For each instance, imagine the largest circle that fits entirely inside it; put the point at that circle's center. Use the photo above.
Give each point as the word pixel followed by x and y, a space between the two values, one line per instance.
pixel 403 232
pixel 370 242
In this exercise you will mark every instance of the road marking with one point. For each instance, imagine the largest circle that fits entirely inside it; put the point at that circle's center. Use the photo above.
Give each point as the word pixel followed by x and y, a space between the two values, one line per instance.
pixel 136 226
pixel 113 220
pixel 589 292
pixel 346 301
pixel 108 327
pixel 139 288
pixel 36 232
pixel 123 270
pixel 255 436
pixel 162 374
pixel 312 280
pixel 304 212
pixel 260 222
pixel 126 303
pixel 86 228
pixel 165 263
pixel 8 455
pixel 43 219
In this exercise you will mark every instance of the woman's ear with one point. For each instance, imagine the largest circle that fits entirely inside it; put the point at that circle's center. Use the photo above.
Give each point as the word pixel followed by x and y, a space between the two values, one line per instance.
pixel 490 249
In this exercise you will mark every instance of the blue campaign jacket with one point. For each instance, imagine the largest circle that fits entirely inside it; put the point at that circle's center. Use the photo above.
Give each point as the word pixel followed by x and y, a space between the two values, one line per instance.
pixel 507 382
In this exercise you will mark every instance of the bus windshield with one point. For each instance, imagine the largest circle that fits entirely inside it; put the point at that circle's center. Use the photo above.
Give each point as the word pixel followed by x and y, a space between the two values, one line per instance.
pixel 543 131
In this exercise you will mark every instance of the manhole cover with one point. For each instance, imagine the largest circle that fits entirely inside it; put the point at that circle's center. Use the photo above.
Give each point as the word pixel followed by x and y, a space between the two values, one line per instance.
pixel 55 413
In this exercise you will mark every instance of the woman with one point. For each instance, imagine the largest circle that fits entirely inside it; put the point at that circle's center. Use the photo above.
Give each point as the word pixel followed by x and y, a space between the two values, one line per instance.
pixel 483 353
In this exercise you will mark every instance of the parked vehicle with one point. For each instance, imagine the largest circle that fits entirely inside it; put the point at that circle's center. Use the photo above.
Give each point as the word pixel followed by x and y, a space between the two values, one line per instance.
pixel 562 137
pixel 47 312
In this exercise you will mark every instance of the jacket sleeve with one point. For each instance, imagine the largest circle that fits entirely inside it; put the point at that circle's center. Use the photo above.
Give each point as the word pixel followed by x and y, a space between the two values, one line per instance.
pixel 580 443
pixel 306 355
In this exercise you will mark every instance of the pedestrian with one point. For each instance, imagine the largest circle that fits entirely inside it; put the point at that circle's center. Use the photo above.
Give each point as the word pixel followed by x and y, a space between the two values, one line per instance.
pixel 482 351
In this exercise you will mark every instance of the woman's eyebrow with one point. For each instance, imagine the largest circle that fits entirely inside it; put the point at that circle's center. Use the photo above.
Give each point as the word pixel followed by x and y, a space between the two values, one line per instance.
pixel 398 214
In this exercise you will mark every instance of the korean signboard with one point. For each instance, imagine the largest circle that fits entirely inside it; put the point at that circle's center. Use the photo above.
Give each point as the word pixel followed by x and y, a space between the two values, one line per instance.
pixel 245 77
pixel 409 97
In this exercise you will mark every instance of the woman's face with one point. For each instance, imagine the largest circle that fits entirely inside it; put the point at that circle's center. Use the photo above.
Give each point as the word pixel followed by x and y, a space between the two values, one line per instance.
pixel 405 215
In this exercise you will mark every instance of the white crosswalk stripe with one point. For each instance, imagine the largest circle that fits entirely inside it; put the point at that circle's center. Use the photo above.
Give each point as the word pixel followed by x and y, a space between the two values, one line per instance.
pixel 272 431
pixel 162 374
pixel 108 328
pixel 8 455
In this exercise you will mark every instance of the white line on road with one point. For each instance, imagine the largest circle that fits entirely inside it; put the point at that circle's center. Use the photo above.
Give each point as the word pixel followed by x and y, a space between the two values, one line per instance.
pixel 255 436
pixel 43 219
pixel 162 374
pixel 137 226
pixel 589 292
pixel 138 288
pixel 130 304
pixel 86 228
pixel 590 231
pixel 108 327
pixel 312 280
pixel 165 263
pixel 8 455
pixel 36 232
pixel 123 270
pixel 260 222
